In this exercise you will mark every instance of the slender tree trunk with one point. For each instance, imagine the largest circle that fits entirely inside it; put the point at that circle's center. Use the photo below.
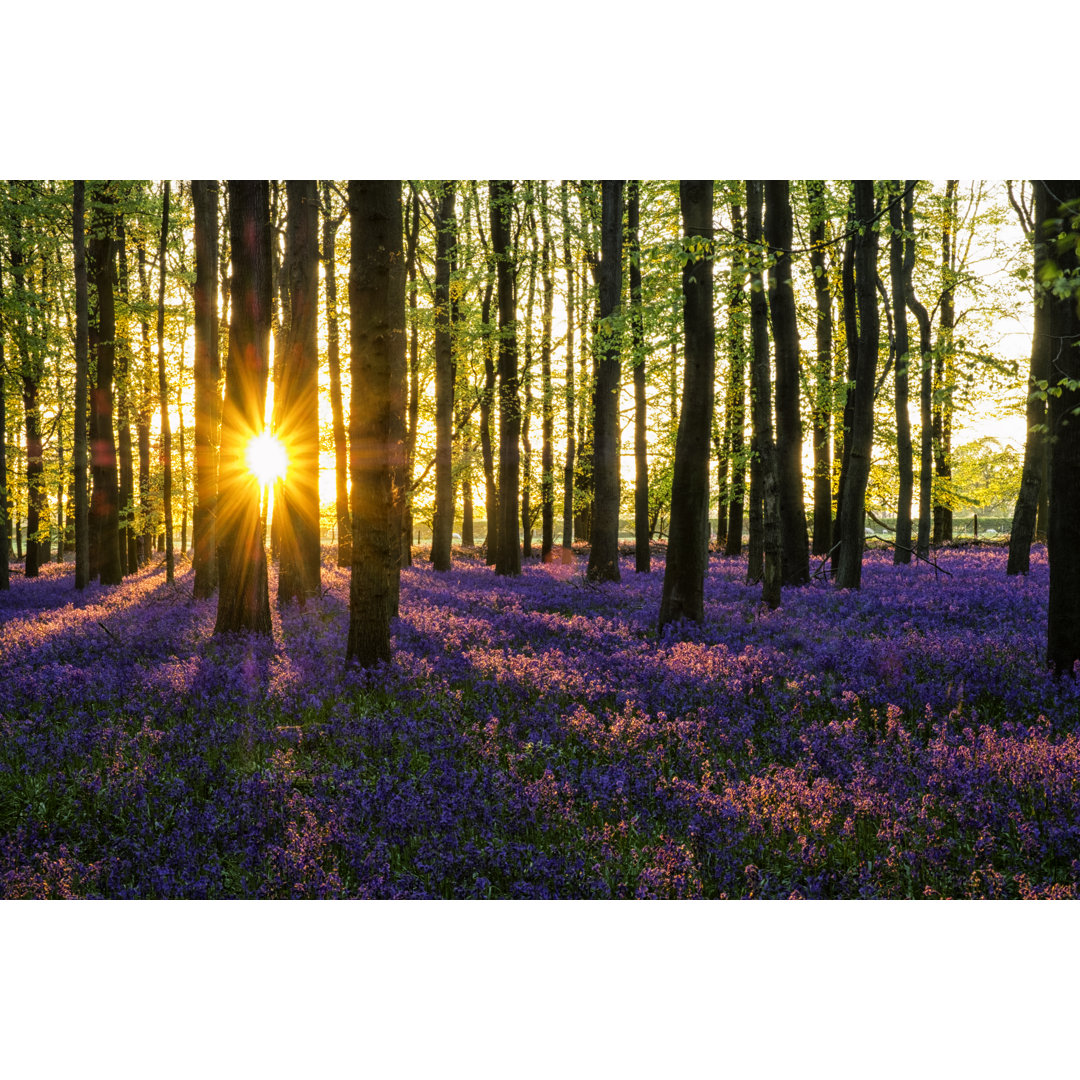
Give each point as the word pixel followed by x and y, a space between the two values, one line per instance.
pixel 604 553
pixel 337 409
pixel 926 434
pixel 1032 484
pixel 547 450
pixel 163 390
pixel 642 553
pixel 414 367
pixel 204 195
pixel 82 351
pixel 125 381
pixel 901 251
pixel 400 546
pixel 944 370
pixel 1063 328
pixel 243 587
pixel 853 513
pixel 761 396
pixel 445 242
pixel 851 347
pixel 468 538
pixel 571 447
pixel 5 507
pixel 105 505
pixel 822 410
pixel 144 528
pixel 297 410
pixel 736 384
pixel 508 553
pixel 795 561
pixel 377 313
pixel 527 381
pixel 30 374
pixel 683 594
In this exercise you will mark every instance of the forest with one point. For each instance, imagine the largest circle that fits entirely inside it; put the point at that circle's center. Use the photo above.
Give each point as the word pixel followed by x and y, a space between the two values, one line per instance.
pixel 540 539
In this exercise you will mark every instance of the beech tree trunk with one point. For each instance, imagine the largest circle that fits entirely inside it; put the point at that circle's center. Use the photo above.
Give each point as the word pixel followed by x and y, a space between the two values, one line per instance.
pixel 944 372
pixel 5 508
pixel 761 396
pixel 683 594
pixel 82 353
pixel 104 508
pixel 145 527
pixel 571 445
pixel 442 537
pixel 642 554
pixel 204 195
pixel 243 587
pixel 508 551
pixel 795 560
pixel 604 552
pixel 853 513
pixel 377 315
pixel 414 370
pixel 822 409
pixel 1034 472
pixel 736 412
pixel 1063 328
pixel 163 390
pixel 125 382
pixel 901 253
pixel 547 451
pixel 298 408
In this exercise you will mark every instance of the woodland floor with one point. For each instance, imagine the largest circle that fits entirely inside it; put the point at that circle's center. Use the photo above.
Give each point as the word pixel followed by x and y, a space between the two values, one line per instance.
pixel 534 738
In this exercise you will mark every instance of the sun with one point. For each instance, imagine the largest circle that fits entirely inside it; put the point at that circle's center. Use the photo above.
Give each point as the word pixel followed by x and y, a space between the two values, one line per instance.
pixel 266 458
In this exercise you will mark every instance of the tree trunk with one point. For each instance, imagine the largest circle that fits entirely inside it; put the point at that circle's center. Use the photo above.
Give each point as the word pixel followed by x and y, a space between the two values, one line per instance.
pixel 571 447
pixel 926 434
pixel 944 369
pixel 145 529
pixel 204 195
pixel 851 347
pixel 508 551
pixel 5 507
pixel 82 350
pixel 736 412
pixel 795 559
pixel 604 552
pixel 683 594
pixel 547 450
pixel 163 389
pixel 822 410
pixel 642 554
pixel 853 513
pixel 104 507
pixel 400 547
pixel 901 253
pixel 1032 484
pixel 243 588
pixel 414 369
pixel 337 409
pixel 377 313
pixel 1063 327
pixel 297 410
pixel 761 396
pixel 445 241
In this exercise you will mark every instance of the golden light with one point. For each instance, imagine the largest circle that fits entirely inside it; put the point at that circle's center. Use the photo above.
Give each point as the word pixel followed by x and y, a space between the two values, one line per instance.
pixel 266 458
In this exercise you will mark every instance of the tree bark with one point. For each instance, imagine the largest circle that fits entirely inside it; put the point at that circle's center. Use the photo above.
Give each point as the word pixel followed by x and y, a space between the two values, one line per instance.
pixel 204 195
pixel 822 410
pixel 445 241
pixel 508 551
pixel 145 527
pixel 243 587
pixel 604 552
pixel 1034 470
pixel 901 252
pixel 853 513
pixel 547 450
pixel 125 377
pixel 163 390
pixel 642 554
pixel 683 595
pixel 5 508
pixel 104 509
pixel 298 409
pixel 571 447
pixel 944 366
pixel 82 353
pixel 377 314
pixel 1063 327
pixel 761 396
pixel 795 559
pixel 411 256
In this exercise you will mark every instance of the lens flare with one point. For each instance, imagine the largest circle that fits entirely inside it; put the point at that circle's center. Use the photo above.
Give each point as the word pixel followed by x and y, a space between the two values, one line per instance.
pixel 266 458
